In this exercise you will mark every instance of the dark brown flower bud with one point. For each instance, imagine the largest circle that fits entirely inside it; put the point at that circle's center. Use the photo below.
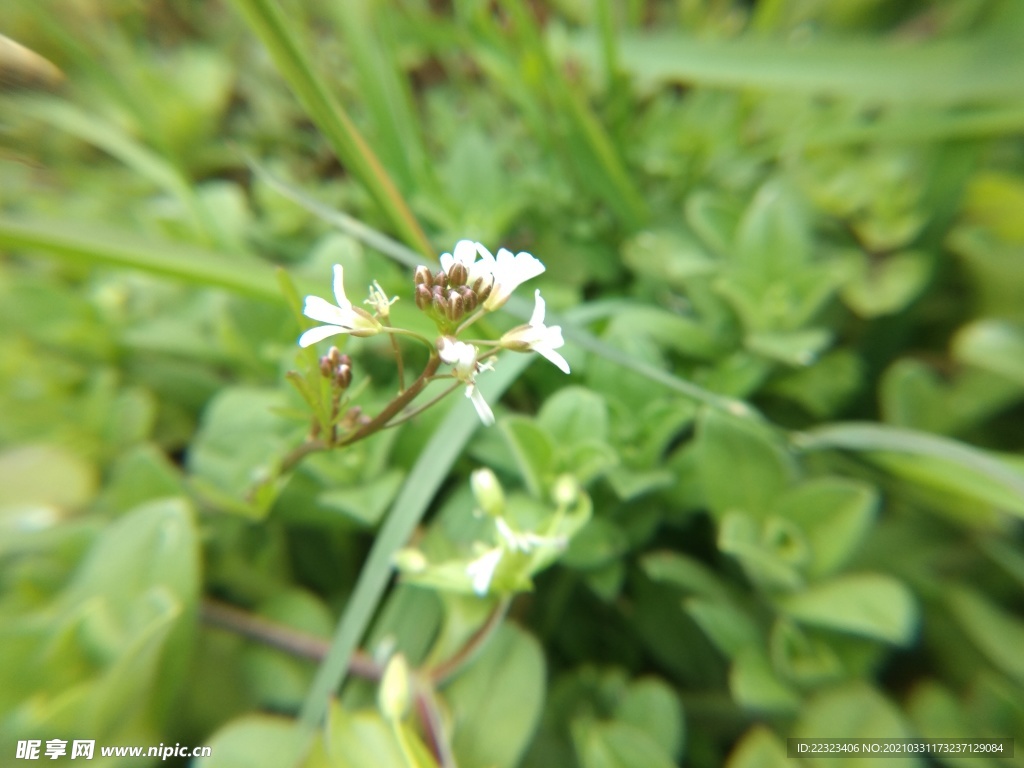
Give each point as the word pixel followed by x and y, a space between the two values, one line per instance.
pixel 469 297
pixel 423 297
pixel 343 375
pixel 457 274
pixel 440 279
pixel 423 276
pixel 456 305
pixel 482 287
pixel 441 305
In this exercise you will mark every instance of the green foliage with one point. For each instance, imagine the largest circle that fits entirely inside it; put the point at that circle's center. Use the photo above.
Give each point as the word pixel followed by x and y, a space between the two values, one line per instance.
pixel 781 494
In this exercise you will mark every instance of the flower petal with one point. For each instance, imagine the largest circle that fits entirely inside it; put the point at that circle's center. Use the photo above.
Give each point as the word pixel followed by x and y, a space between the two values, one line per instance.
pixel 537 318
pixel 339 288
pixel 483 410
pixel 321 332
pixel 481 570
pixel 322 310
pixel 550 354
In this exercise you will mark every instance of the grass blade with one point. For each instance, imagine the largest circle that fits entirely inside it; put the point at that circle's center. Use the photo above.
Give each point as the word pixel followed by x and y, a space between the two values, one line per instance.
pixel 271 26
pixel 857 436
pixel 91 244
pixel 941 72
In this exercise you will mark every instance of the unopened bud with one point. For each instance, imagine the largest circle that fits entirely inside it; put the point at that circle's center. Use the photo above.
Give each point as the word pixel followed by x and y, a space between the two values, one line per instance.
pixel 457 274
pixel 440 304
pixel 487 491
pixel 469 298
pixel 423 296
pixel 393 695
pixel 456 305
pixel 566 491
pixel 423 276
pixel 343 374
pixel 482 287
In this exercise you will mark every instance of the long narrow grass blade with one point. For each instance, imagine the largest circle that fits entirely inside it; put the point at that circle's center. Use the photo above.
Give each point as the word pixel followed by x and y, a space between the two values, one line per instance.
pixel 412 502
pixel 880 437
pixel 92 244
pixel 111 139
pixel 274 29
pixel 944 72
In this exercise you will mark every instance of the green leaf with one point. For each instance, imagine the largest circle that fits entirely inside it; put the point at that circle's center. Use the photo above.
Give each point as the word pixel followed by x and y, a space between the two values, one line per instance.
pixel 759 748
pixel 741 467
pixel 993 345
pixel 534 451
pixel 254 741
pixel 597 544
pixel 835 515
pixel 236 456
pixel 651 706
pixel 796 348
pixel 887 285
pixel 575 415
pixel 366 503
pixel 755 685
pixel 496 703
pixel 616 745
pixel 685 573
pixel 870 604
pixel 728 627
pixel 37 477
pixel 996 633
pixel 853 711
pixel 360 739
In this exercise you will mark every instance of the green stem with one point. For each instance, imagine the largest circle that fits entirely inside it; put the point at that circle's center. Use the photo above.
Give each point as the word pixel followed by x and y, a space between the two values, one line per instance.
pixel 395 406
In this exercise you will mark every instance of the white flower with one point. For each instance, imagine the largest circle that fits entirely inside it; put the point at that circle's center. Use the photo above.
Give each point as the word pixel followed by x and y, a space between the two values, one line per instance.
pixel 537 337
pixel 462 358
pixel 481 570
pixel 527 542
pixel 503 274
pixel 509 273
pixel 343 318
pixel 465 253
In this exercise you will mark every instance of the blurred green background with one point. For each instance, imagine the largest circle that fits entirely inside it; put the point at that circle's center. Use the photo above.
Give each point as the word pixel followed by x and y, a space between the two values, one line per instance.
pixel 784 240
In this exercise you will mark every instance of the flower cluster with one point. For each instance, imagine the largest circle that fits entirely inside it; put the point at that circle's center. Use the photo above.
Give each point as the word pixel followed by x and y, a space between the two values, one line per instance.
pixel 470 283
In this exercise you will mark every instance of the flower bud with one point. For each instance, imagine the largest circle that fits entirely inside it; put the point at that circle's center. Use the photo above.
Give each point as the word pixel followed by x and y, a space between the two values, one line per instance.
pixel 482 288
pixel 487 492
pixel 457 274
pixel 422 297
pixel 456 305
pixel 440 304
pixel 423 276
pixel 469 298
pixel 394 692
pixel 566 491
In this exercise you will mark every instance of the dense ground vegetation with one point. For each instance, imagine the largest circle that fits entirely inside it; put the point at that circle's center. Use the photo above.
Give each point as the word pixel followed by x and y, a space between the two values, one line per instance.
pixel 780 493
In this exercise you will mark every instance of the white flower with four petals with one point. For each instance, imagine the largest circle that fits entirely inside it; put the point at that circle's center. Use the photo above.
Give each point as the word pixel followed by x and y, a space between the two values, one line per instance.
pixel 462 357
pixel 343 318
pixel 536 336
